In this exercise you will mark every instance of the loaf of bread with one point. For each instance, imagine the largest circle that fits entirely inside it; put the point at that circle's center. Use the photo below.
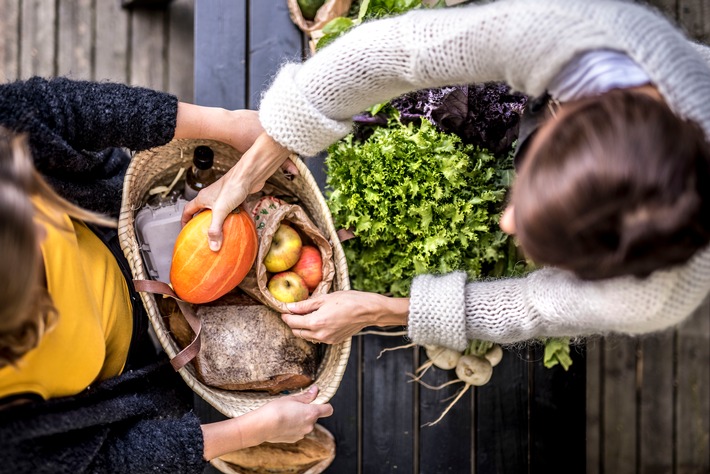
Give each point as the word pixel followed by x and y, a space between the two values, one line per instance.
pixel 248 347
pixel 310 455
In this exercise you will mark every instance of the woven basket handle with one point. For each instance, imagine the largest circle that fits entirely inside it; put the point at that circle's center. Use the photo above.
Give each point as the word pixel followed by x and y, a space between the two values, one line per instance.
pixel 191 350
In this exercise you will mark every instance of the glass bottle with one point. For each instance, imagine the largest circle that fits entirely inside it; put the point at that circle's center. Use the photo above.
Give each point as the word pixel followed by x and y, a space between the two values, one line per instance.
pixel 201 174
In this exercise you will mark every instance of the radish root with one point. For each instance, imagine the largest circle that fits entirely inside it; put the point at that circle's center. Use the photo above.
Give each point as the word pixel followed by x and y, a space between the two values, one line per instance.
pixel 395 348
pixel 382 333
pixel 458 397
pixel 436 387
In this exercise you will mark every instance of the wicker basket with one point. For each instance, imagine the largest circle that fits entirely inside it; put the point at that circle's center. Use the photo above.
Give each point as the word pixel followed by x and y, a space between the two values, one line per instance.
pixel 158 167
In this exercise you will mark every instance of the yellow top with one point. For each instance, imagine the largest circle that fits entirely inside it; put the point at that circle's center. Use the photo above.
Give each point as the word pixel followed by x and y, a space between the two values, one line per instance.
pixel 93 333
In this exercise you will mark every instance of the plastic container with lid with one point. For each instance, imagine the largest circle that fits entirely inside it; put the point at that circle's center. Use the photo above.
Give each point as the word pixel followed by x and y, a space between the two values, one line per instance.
pixel 157 229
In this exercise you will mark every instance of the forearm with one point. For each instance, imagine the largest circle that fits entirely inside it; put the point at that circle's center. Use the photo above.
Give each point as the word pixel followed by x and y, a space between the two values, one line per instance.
pixel 446 310
pixel 523 43
pixel 238 128
pixel 389 311
pixel 226 436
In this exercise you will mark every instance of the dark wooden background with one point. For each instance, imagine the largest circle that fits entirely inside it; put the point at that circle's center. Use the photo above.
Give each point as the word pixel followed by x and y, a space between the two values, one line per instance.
pixel 628 405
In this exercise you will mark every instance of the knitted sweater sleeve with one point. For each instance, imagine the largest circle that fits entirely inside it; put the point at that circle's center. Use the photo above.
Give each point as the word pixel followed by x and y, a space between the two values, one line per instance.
pixel 445 310
pixel 521 42
pixel 89 115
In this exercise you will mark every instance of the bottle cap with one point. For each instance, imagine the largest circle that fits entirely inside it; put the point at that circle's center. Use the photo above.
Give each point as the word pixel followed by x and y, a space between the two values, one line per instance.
pixel 203 157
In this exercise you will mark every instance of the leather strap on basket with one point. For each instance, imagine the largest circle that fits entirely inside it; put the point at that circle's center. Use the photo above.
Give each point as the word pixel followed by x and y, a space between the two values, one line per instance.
pixel 191 350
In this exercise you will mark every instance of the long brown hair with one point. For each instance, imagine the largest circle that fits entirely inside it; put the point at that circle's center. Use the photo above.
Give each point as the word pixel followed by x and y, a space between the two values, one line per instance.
pixel 27 310
pixel 617 185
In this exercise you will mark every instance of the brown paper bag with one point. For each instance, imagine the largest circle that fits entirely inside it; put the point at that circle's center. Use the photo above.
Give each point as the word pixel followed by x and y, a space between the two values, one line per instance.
pixel 268 213
pixel 330 9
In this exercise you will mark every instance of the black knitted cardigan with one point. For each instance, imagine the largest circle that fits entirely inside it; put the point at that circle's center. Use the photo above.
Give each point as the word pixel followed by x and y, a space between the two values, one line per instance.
pixel 78 131
pixel 140 421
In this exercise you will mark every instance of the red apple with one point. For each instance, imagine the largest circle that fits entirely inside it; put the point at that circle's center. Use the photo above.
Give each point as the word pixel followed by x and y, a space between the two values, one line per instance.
pixel 309 266
pixel 284 250
pixel 288 287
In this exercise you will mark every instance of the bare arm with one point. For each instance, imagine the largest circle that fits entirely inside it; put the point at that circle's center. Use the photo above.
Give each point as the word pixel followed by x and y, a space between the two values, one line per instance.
pixel 335 317
pixel 284 420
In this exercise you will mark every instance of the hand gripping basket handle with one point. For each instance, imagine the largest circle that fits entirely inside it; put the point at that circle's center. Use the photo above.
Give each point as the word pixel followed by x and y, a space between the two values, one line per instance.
pixel 191 350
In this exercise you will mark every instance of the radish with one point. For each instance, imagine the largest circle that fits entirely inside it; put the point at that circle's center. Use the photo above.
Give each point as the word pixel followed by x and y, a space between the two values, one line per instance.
pixel 474 370
pixel 494 355
pixel 442 357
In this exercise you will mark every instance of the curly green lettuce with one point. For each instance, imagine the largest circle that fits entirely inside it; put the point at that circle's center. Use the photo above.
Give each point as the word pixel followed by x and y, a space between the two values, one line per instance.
pixel 419 201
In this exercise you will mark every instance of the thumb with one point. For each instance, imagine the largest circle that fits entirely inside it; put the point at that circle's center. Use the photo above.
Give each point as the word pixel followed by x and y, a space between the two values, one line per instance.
pixel 214 233
pixel 308 396
pixel 290 167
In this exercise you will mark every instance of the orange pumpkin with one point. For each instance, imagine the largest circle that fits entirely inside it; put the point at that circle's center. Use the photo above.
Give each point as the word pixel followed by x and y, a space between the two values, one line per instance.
pixel 198 274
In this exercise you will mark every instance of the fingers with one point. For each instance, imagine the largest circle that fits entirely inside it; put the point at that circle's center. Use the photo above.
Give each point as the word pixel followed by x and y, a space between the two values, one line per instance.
pixel 190 209
pixel 325 410
pixel 308 396
pixel 305 306
pixel 298 325
pixel 289 167
pixel 214 232
pixel 321 410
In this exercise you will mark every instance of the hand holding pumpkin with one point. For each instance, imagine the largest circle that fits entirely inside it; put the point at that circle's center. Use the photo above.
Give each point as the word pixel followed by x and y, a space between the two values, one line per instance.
pixel 200 275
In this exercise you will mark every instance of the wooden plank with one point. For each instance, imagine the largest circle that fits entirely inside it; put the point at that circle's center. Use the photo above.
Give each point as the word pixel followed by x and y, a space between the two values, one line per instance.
pixel 147 60
pixel 692 19
pixel 38 27
pixel 594 348
pixel 502 443
pixel 273 39
pixel 693 393
pixel 112 42
pixel 557 414
pixel 388 408
pixel 9 40
pixel 75 39
pixel 181 50
pixel 667 7
pixel 619 422
pixel 444 447
pixel 145 3
pixel 656 403
pixel 220 53
pixel 345 424
pixel 219 81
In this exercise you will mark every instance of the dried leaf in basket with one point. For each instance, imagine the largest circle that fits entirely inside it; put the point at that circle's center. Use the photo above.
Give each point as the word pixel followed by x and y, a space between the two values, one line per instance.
pixel 330 9
pixel 247 347
pixel 269 212
pixel 311 455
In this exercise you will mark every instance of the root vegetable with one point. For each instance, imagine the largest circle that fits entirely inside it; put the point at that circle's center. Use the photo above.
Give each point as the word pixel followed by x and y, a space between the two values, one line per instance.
pixel 442 357
pixel 474 370
pixel 494 355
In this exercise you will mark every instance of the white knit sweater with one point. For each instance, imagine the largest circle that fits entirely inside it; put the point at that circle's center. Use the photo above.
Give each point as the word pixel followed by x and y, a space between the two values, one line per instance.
pixel 524 43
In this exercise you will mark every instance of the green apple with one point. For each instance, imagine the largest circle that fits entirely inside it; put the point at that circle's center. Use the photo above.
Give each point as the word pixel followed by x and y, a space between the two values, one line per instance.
pixel 284 250
pixel 288 287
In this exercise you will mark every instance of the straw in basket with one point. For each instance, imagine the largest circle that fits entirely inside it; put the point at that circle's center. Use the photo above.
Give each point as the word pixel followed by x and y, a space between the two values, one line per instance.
pixel 158 167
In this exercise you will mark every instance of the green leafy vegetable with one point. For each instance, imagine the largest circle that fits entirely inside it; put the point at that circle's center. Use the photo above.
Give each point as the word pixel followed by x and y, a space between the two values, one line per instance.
pixel 367 10
pixel 419 201
pixel 557 352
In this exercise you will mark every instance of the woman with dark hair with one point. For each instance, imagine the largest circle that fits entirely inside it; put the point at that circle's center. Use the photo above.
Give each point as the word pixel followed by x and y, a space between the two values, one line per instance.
pixel 82 388
pixel 611 198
